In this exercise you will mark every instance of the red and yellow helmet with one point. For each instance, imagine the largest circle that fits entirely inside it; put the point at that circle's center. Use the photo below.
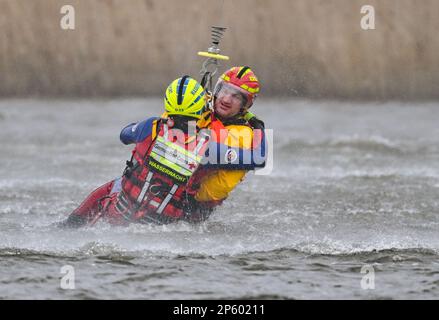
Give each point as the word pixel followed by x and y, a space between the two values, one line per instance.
pixel 244 79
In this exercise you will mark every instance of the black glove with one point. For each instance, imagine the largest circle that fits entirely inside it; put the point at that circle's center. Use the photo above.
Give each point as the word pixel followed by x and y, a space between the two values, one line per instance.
pixel 194 212
pixel 199 215
pixel 72 222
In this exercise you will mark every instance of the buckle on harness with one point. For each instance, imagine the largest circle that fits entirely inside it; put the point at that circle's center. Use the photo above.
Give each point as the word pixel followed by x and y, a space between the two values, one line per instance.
pixel 157 189
pixel 128 169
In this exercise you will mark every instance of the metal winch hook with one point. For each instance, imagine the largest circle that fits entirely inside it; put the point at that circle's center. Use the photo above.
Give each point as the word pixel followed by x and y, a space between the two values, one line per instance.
pixel 211 64
pixel 208 71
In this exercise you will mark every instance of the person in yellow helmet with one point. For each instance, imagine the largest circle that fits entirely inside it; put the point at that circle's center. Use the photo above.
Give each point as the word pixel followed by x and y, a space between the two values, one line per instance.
pixel 167 152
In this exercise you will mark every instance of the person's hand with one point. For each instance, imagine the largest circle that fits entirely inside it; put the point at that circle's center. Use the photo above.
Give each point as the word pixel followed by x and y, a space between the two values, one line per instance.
pixel 196 212
pixel 199 215
pixel 254 121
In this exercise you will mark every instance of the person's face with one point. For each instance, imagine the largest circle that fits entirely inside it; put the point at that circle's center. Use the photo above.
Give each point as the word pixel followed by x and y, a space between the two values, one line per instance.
pixel 229 101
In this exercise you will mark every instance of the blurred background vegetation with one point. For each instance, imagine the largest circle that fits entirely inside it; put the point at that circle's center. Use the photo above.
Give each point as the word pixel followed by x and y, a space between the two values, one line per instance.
pixel 306 48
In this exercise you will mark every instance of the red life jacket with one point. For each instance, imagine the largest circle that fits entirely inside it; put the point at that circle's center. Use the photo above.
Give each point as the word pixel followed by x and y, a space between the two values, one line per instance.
pixel 154 186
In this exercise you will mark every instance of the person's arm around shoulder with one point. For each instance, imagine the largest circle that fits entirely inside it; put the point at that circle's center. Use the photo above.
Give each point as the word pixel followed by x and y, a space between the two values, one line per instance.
pixel 137 132
pixel 242 149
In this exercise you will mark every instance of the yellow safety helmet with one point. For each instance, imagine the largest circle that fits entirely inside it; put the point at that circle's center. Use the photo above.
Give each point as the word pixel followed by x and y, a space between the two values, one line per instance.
pixel 186 97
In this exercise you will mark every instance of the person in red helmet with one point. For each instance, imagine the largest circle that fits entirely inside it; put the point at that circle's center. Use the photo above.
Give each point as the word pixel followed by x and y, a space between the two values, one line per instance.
pixel 234 93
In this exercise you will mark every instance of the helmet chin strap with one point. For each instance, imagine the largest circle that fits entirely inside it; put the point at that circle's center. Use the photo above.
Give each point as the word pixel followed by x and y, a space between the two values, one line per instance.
pixel 243 110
